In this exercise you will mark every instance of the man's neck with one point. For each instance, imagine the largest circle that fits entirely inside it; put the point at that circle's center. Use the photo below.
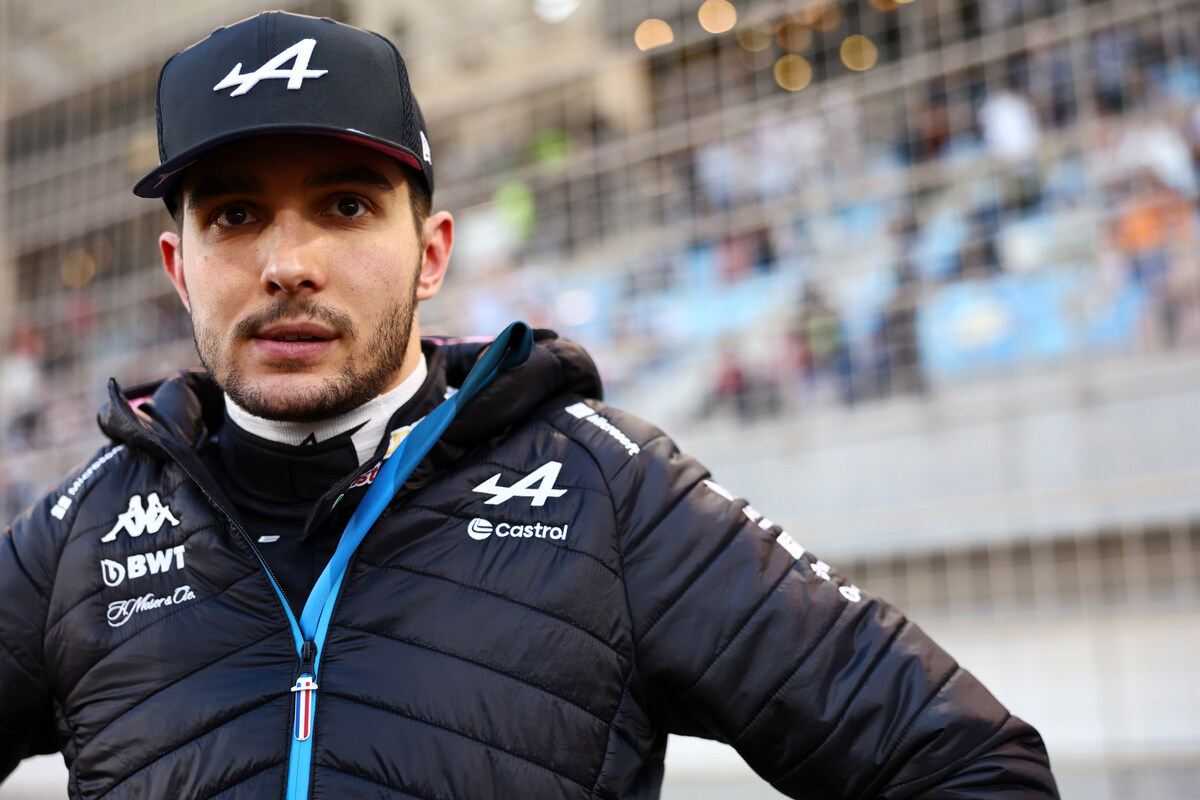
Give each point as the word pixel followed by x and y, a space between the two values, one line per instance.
pixel 368 422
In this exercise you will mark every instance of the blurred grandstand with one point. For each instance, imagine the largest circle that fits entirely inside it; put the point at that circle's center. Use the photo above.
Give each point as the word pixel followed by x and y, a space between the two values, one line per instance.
pixel 920 277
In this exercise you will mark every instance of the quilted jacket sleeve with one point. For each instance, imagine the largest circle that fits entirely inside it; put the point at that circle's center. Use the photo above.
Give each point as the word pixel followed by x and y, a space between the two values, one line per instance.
pixel 826 691
pixel 27 558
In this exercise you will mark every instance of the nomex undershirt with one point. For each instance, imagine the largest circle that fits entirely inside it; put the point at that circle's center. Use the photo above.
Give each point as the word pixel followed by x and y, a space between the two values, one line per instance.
pixel 275 472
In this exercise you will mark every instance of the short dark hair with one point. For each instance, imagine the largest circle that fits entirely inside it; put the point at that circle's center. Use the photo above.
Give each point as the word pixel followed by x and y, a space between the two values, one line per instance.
pixel 418 195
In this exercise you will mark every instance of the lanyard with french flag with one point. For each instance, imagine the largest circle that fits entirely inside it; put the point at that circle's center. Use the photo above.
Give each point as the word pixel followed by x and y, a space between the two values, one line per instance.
pixel 510 348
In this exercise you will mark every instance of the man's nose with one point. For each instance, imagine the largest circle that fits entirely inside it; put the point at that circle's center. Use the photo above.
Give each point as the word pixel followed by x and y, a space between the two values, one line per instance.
pixel 291 262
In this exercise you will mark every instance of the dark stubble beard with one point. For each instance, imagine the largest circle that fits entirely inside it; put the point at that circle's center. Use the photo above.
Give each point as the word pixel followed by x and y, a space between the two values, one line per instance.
pixel 358 381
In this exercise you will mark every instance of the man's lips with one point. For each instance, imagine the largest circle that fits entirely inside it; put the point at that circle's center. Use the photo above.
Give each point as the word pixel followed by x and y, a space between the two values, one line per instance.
pixel 294 340
pixel 293 331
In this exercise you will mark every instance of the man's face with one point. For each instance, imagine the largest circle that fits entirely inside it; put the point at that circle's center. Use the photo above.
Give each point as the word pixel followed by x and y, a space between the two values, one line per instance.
pixel 301 266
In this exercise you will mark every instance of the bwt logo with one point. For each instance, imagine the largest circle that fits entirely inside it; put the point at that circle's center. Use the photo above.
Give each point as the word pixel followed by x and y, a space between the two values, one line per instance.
pixel 136 566
pixel 480 529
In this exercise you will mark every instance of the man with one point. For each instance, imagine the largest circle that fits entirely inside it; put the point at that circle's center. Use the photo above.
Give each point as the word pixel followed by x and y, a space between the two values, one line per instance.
pixel 346 562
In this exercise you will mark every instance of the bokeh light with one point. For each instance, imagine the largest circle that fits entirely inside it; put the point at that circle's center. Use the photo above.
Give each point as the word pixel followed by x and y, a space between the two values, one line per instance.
pixel 858 52
pixel 824 16
pixel 793 72
pixel 78 268
pixel 885 5
pixel 717 16
pixel 794 35
pixel 754 38
pixel 517 208
pixel 555 11
pixel 652 33
pixel 101 250
pixel 550 148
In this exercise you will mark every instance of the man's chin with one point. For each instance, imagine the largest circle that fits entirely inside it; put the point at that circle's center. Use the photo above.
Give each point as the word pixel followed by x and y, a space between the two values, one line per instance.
pixel 293 398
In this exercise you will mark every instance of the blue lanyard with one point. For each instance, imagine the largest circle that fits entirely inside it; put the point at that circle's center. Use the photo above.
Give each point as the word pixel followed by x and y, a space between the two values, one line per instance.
pixel 510 348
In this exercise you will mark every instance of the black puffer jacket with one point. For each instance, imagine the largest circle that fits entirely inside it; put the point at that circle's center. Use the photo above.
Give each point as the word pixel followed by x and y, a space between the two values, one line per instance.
pixel 554 591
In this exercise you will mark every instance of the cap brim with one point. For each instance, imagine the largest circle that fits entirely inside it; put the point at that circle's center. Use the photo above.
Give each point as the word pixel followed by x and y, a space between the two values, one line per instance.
pixel 160 181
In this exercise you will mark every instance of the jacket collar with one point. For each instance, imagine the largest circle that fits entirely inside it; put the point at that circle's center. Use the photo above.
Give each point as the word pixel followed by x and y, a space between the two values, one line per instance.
pixel 176 416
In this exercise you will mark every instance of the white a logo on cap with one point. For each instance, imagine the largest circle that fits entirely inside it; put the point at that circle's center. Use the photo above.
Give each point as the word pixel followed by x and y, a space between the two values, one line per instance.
pixel 425 154
pixel 301 51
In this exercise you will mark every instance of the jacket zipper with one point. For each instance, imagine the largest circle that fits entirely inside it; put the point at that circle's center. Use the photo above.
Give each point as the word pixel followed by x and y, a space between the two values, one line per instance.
pixel 301 749
pixel 303 720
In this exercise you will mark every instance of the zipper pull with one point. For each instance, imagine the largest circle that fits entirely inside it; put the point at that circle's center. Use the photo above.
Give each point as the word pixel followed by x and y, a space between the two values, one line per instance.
pixel 306 693
pixel 308 657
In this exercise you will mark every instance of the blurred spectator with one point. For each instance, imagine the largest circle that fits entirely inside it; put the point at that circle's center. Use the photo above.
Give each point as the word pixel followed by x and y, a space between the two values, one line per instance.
pixel 1156 146
pixel 718 171
pixel 781 148
pixel 1155 231
pixel 824 339
pixel 901 356
pixel 931 125
pixel 735 257
pixel 748 393
pixel 730 388
pixel 1010 126
pixel 22 379
pixel 1052 84
pixel 1115 68
pixel 1151 221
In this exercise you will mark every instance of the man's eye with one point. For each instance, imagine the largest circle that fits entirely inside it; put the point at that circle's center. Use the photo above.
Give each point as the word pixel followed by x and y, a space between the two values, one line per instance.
pixel 234 216
pixel 348 207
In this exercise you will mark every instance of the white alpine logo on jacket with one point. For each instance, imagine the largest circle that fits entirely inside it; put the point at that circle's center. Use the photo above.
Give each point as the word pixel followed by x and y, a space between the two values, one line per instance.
pixel 538 486
pixel 301 51
pixel 138 520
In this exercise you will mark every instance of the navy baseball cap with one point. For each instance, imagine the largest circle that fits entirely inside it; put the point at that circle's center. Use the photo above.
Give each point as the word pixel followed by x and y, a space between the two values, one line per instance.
pixel 280 73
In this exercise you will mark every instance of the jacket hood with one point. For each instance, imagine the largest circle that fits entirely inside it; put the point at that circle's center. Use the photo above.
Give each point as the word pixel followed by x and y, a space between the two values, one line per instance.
pixel 554 367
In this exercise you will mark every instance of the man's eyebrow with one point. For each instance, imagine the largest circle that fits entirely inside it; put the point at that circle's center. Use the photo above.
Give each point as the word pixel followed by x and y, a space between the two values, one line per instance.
pixel 358 174
pixel 211 188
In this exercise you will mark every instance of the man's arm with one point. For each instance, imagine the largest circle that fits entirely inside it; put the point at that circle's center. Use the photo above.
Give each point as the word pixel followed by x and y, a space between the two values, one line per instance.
pixel 26 710
pixel 828 692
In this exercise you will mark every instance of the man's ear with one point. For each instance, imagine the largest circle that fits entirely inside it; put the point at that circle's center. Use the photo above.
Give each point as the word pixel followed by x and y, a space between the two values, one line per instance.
pixel 172 255
pixel 438 241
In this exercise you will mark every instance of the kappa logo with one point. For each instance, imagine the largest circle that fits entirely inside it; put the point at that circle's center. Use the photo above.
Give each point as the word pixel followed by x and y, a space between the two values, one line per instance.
pixel 538 486
pixel 300 52
pixel 136 566
pixel 138 520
